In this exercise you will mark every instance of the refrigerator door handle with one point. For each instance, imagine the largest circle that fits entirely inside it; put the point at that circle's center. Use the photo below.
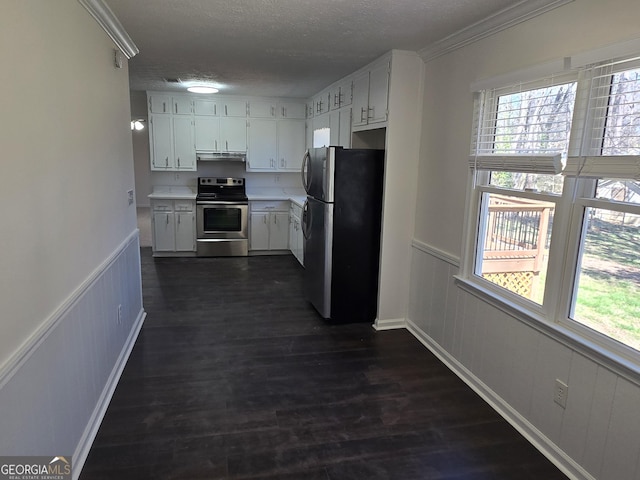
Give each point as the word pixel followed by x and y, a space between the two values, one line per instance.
pixel 306 220
pixel 306 171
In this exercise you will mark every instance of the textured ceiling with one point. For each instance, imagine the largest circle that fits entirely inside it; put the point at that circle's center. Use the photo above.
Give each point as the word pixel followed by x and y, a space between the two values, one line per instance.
pixel 288 48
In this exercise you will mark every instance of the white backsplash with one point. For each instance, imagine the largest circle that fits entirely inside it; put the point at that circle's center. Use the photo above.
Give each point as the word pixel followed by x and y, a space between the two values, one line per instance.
pixel 227 169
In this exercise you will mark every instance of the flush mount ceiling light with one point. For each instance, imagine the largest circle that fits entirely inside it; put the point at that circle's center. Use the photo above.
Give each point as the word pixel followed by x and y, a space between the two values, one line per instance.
pixel 202 89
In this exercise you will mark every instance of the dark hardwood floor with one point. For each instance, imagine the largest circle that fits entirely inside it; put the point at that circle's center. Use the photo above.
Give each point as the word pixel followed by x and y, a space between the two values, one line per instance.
pixel 235 376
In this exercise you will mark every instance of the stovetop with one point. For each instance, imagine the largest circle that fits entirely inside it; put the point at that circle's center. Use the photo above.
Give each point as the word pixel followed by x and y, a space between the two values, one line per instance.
pixel 221 189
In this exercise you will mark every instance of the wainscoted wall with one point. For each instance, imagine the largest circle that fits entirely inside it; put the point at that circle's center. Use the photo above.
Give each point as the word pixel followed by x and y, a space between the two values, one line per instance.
pixel 513 365
pixel 55 391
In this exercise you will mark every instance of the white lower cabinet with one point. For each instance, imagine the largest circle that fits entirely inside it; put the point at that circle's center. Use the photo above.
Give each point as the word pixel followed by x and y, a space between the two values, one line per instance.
pixel 173 226
pixel 296 239
pixel 269 225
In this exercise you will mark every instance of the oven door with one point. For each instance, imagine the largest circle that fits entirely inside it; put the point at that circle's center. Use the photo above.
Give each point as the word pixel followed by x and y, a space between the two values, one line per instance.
pixel 221 220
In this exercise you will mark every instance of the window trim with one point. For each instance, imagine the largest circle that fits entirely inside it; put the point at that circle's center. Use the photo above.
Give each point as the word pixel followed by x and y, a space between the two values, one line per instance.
pixel 553 316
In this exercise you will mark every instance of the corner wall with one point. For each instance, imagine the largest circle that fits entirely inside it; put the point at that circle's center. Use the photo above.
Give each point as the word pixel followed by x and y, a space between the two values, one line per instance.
pixel 513 363
pixel 70 290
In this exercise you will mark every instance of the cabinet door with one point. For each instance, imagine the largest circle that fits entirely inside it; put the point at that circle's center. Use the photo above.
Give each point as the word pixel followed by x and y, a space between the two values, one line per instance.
pixel 360 104
pixel 185 231
pixel 299 251
pixel 207 133
pixel 292 110
pixel 311 109
pixel 164 239
pixel 293 238
pixel 279 231
pixel 260 109
pixel 291 144
pixel 346 93
pixel 183 145
pixel 334 128
pixel 345 128
pixel 262 145
pixel 205 107
pixel 159 104
pixel 233 135
pixel 321 133
pixel 234 108
pixel 182 106
pixel 378 94
pixel 160 132
pixel 259 232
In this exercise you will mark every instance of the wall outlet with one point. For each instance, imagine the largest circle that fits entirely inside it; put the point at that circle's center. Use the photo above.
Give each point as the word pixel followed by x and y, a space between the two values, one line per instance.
pixel 119 316
pixel 560 393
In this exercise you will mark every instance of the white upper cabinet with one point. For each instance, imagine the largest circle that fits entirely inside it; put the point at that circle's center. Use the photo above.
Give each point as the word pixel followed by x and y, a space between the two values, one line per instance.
pixel 262 145
pixel 172 143
pixel 205 107
pixel 182 106
pixel 341 95
pixel 184 150
pixel 233 135
pixel 160 104
pixel 262 109
pixel 207 133
pixel 291 144
pixel 321 103
pixel 371 95
pixel 292 110
pixel 233 108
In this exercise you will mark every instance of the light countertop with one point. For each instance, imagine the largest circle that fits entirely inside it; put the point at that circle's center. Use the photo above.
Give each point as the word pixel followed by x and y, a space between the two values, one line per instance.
pixel 296 195
pixel 173 193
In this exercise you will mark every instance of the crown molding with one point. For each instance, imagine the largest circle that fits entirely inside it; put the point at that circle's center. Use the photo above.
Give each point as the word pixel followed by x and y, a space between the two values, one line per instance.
pixel 506 18
pixel 101 12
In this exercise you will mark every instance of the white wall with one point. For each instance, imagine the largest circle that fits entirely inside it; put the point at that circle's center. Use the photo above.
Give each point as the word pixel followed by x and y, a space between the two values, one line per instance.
pixel 511 362
pixel 69 239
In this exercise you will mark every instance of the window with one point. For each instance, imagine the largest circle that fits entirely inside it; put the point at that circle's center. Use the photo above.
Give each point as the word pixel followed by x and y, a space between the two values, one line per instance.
pixel 519 146
pixel 564 247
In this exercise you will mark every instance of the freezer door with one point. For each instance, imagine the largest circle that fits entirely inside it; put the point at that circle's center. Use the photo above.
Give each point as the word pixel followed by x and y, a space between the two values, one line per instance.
pixel 318 173
pixel 317 227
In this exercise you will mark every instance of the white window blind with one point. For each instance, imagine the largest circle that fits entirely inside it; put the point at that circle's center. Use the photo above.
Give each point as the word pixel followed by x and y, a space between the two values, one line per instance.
pixel 524 128
pixel 607 135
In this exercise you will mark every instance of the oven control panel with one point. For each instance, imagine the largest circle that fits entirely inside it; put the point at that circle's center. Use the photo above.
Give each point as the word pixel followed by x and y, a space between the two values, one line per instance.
pixel 220 181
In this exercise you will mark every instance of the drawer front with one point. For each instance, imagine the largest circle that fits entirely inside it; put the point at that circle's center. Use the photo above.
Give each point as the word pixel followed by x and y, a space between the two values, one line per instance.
pixel 162 206
pixel 270 205
pixel 183 206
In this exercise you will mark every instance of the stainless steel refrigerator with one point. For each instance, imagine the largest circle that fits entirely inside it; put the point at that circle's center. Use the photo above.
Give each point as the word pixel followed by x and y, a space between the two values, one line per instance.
pixel 341 223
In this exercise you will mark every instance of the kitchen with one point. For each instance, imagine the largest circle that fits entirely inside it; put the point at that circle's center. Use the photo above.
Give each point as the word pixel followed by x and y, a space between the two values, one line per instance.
pixel 53 305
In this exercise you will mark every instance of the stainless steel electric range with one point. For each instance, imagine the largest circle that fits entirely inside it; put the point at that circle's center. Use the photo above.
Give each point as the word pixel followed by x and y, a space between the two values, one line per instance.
pixel 222 210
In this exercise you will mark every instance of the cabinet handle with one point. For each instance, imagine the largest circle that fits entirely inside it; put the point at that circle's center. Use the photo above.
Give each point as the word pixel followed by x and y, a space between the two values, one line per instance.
pixel 216 142
pixel 372 110
pixel 362 114
pixel 215 109
pixel 264 219
pixel 273 111
pixel 226 145
pixel 176 107
pixel 164 107
pixel 282 163
pixel 166 162
pixel 167 219
pixel 284 111
pixel 226 112
pixel 336 100
pixel 178 219
pixel 178 162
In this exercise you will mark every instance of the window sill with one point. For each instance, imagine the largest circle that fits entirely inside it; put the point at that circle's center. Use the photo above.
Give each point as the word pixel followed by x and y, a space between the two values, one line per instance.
pixel 611 360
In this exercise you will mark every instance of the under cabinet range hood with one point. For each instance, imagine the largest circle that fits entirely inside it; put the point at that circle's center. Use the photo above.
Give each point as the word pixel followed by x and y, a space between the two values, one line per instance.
pixel 206 156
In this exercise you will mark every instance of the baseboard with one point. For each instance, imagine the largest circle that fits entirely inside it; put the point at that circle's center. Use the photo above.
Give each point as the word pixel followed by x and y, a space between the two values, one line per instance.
pixel 91 430
pixel 390 324
pixel 549 449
